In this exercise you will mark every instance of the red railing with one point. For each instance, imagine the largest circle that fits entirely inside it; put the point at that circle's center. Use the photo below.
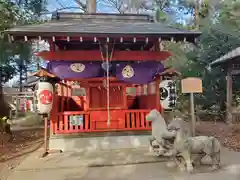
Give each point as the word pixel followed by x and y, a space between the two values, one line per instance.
pixel 134 120
pixel 62 124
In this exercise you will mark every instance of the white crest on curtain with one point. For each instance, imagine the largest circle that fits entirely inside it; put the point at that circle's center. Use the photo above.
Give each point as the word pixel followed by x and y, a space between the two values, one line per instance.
pixel 77 67
pixel 128 71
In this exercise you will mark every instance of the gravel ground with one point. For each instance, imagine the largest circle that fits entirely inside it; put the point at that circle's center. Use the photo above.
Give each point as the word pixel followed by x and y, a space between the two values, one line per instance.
pixel 16 149
pixel 26 141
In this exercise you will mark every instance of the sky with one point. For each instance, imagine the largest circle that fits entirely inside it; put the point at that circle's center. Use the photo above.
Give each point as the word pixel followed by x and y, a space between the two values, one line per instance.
pixel 53 5
pixel 57 4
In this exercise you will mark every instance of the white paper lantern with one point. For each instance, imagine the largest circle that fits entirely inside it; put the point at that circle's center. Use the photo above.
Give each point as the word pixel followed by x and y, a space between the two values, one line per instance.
pixel 44 97
pixel 168 94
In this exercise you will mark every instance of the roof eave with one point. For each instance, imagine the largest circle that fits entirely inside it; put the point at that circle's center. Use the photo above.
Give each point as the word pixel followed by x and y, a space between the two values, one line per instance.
pixel 215 64
pixel 232 55
pixel 221 62
pixel 188 36
pixel 17 32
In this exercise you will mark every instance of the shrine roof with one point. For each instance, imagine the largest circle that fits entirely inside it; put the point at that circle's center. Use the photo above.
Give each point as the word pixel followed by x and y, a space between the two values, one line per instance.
pixel 77 24
pixel 31 81
pixel 232 55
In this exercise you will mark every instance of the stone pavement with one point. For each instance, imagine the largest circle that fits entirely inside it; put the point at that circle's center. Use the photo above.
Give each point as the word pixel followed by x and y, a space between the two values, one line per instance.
pixel 129 164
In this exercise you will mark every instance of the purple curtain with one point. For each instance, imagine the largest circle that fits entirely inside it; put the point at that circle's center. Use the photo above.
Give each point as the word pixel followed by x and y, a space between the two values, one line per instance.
pixel 144 72
pixel 63 69
pixel 135 73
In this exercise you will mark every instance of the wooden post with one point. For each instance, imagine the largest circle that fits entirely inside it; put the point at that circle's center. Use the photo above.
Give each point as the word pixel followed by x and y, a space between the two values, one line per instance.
pixel 45 152
pixel 192 85
pixel 52 46
pixel 17 106
pixel 125 104
pixel 158 96
pixel 193 118
pixel 229 95
pixel 34 101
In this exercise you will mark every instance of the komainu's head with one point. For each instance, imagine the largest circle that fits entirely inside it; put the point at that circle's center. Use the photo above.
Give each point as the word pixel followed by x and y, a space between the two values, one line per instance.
pixel 153 115
pixel 177 124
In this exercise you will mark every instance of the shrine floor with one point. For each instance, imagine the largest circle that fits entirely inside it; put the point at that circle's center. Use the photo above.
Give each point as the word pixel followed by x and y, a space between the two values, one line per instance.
pixel 124 164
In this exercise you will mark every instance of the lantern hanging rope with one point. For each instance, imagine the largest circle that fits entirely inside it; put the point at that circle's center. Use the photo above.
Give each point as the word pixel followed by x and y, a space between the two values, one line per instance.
pixel 107 83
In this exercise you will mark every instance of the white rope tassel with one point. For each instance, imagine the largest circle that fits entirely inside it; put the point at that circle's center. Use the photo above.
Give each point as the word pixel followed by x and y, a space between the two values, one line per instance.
pixel 108 94
pixel 107 84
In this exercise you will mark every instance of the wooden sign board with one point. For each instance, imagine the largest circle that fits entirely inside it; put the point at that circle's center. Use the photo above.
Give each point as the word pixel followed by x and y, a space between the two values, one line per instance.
pixel 191 85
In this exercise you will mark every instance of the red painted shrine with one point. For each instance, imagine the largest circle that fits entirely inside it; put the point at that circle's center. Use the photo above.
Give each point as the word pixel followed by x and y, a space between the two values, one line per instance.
pixel 110 66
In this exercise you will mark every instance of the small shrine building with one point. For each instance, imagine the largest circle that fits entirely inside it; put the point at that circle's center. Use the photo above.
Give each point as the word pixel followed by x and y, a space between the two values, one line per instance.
pixel 100 58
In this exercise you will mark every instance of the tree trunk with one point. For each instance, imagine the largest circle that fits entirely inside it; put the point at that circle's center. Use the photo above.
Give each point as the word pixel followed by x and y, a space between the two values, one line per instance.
pixel 229 96
pixel 1 88
pixel 25 73
pixel 21 74
pixel 91 6
pixel 196 14
pixel 4 110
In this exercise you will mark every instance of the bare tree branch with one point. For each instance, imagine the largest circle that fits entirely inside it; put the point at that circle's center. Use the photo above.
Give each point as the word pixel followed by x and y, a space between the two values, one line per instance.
pixel 62 5
pixel 82 6
pixel 116 4
pixel 17 2
pixel 123 6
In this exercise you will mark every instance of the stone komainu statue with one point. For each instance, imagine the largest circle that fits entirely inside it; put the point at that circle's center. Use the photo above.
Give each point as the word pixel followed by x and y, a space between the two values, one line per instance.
pixel 175 141
pixel 160 133
pixel 189 147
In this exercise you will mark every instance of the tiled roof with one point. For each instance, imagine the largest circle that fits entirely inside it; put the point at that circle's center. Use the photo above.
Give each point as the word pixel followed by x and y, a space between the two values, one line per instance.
pixel 101 26
pixel 227 57
pixel 74 26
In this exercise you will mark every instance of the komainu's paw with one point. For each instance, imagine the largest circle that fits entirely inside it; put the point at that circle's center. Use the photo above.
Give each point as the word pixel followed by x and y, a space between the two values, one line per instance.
pixel 182 169
pixel 159 152
pixel 190 169
pixel 215 168
pixel 168 154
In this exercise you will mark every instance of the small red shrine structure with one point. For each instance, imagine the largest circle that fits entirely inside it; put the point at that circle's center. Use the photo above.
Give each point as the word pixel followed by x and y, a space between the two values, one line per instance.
pixel 101 60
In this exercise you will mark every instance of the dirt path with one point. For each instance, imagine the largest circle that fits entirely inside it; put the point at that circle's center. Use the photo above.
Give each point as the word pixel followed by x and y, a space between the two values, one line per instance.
pixel 15 150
